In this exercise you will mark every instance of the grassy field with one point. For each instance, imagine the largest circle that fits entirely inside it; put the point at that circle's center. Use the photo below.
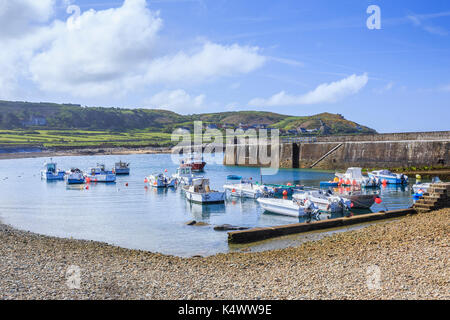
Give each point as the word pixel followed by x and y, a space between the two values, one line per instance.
pixel 82 138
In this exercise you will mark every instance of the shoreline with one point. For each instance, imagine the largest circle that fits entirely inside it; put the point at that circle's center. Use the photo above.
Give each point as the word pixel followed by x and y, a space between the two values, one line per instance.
pixel 412 254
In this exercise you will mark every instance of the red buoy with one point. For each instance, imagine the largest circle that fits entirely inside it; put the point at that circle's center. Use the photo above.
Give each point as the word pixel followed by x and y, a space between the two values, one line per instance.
pixel 285 193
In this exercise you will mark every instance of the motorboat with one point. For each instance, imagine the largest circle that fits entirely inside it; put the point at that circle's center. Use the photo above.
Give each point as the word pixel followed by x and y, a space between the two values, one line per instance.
pixel 100 174
pixel 360 199
pixel 354 177
pixel 121 168
pixel 195 162
pixel 160 180
pixel 389 177
pixel 246 188
pixel 51 172
pixel 421 188
pixel 184 176
pixel 75 176
pixel 200 192
pixel 326 201
pixel 281 189
pixel 291 208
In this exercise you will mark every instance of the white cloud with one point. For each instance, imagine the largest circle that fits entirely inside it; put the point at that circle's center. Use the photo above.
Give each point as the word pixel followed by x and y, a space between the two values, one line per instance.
pixel 212 60
pixel 386 88
pixel 324 93
pixel 176 100
pixel 18 17
pixel 113 51
pixel 445 88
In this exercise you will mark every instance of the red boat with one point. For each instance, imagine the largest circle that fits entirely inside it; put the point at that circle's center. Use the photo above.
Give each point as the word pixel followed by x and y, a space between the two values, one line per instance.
pixel 195 163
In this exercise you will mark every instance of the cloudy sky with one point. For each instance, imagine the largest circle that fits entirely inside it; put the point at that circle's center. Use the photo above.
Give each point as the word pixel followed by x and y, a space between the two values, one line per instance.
pixel 192 56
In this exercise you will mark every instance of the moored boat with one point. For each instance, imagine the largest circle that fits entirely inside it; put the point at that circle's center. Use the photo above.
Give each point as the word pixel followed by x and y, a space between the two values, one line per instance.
pixel 421 187
pixel 354 177
pixel 291 208
pixel 325 201
pixel 184 175
pixel 51 172
pixel 246 189
pixel 100 174
pixel 200 192
pixel 360 199
pixel 195 162
pixel 75 176
pixel 160 180
pixel 386 176
pixel 121 168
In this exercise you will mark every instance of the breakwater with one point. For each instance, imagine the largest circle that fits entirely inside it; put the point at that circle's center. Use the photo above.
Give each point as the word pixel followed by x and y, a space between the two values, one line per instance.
pixel 415 149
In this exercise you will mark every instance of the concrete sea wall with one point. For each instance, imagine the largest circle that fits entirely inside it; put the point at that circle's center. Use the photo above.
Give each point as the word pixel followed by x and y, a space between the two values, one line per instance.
pixel 369 151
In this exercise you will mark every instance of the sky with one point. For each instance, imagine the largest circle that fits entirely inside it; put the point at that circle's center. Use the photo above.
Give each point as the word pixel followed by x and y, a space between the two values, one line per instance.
pixel 198 56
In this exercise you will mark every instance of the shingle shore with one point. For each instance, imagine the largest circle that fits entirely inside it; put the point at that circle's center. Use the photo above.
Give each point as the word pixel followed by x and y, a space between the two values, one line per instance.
pixel 404 259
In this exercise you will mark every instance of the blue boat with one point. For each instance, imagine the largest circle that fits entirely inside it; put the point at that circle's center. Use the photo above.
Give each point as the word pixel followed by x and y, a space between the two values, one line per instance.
pixel 122 168
pixel 389 177
pixel 51 173
pixel 329 184
pixel 76 177
pixel 234 177
pixel 100 174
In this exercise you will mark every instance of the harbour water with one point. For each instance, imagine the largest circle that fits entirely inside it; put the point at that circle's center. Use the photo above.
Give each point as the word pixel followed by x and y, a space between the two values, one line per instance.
pixel 132 215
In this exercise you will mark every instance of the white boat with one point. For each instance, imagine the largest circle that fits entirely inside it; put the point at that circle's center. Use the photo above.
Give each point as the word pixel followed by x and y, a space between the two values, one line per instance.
pixel 121 168
pixel 326 201
pixel 354 177
pixel 246 189
pixel 160 180
pixel 100 174
pixel 389 177
pixel 200 192
pixel 291 208
pixel 422 188
pixel 75 176
pixel 184 176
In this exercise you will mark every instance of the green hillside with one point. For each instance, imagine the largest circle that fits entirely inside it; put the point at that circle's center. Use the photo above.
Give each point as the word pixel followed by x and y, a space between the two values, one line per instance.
pixel 50 124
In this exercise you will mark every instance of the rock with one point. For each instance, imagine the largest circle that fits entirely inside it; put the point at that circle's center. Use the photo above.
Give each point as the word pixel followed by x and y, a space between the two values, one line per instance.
pixel 196 224
pixel 228 227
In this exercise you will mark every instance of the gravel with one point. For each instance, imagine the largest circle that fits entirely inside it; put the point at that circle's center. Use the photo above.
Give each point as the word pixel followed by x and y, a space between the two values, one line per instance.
pixel 405 259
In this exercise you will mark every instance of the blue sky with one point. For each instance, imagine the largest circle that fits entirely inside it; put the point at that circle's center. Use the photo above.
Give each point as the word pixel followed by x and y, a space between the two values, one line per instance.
pixel 291 57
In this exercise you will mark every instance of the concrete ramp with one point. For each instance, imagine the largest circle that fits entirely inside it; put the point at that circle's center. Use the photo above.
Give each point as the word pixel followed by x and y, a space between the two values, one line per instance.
pixel 326 155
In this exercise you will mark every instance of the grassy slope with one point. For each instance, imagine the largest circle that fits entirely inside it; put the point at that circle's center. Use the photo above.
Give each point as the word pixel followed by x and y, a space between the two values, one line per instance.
pixel 73 125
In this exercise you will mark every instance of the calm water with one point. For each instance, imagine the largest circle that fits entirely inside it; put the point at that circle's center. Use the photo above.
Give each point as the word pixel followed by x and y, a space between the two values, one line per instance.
pixel 138 217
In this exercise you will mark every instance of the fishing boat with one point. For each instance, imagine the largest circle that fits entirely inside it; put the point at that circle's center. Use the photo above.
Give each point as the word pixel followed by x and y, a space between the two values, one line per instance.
pixel 75 176
pixel 326 201
pixel 160 180
pixel 200 192
pixel 195 162
pixel 121 168
pixel 389 177
pixel 291 208
pixel 51 172
pixel 100 174
pixel 246 188
pixel 184 176
pixel 354 177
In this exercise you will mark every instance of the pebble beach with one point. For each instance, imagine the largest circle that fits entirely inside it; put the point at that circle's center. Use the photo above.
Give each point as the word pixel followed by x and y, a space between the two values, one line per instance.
pixel 406 258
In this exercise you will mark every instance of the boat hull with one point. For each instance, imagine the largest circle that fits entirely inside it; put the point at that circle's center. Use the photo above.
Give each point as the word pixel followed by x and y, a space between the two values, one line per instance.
pixel 325 204
pixel 50 176
pixel 360 201
pixel 103 178
pixel 281 207
pixel 205 198
pixel 243 191
pixel 388 179
pixel 122 172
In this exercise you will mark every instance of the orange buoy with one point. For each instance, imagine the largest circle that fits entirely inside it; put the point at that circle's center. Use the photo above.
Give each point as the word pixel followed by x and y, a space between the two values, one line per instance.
pixel 146 180
pixel 285 193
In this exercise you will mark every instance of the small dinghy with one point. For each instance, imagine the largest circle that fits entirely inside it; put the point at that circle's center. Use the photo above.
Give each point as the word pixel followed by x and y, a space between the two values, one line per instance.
pixel 160 180
pixel 100 174
pixel 200 192
pixel 246 189
pixel 325 201
pixel 386 176
pixel 51 172
pixel 290 208
pixel 75 176
pixel 122 168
